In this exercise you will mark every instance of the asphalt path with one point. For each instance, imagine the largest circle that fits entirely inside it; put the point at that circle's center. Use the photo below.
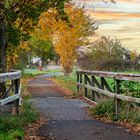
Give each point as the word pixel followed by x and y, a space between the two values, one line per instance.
pixel 68 119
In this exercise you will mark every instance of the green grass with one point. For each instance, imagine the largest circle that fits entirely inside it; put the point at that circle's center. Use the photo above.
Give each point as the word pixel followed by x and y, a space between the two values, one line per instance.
pixel 106 108
pixel 35 72
pixel 12 135
pixel 12 126
pixel 68 82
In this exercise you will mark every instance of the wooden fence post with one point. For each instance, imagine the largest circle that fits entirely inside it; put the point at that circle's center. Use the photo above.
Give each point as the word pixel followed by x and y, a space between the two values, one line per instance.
pixel 93 85
pixel 15 109
pixel 78 87
pixel 85 82
pixel 102 83
pixel 103 87
pixel 80 76
pixel 117 101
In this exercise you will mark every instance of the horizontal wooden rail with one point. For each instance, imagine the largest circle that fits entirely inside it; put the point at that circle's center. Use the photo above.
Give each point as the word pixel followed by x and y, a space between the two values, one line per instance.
pixel 112 95
pixel 10 76
pixel 119 76
pixel 96 82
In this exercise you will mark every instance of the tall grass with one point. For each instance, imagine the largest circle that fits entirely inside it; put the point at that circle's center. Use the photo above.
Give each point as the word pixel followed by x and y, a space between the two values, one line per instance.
pixel 106 108
pixel 12 127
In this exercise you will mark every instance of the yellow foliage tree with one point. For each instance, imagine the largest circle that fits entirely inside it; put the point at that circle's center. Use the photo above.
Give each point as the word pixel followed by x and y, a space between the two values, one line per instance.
pixel 67 35
pixel 133 55
pixel 13 53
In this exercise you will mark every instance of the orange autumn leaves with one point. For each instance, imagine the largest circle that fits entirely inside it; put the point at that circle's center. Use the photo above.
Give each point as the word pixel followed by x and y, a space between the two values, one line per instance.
pixel 66 35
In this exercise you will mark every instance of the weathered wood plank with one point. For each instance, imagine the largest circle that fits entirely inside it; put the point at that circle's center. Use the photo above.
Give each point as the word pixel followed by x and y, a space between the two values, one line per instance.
pixel 16 102
pixel 117 101
pixel 78 77
pixel 85 81
pixel 10 76
pixel 93 85
pixel 9 99
pixel 119 76
pixel 112 95
pixel 81 78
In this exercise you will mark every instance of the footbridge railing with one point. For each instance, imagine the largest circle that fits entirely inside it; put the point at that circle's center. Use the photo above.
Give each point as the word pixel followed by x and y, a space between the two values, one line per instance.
pixel 107 84
pixel 12 89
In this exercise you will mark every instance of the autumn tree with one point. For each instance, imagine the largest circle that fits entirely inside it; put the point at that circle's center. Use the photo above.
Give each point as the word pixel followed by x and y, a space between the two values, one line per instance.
pixel 17 18
pixel 132 60
pixel 67 36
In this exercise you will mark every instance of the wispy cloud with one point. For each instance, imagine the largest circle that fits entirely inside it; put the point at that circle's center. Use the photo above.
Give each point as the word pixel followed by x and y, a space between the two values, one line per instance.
pixel 121 20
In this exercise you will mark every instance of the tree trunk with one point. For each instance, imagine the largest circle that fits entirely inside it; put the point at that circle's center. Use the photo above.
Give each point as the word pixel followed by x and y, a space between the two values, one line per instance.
pixel 2 46
pixel 67 71
pixel 2 40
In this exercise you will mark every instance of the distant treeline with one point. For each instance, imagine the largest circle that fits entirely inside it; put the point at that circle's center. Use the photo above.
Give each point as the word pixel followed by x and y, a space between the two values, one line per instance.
pixel 108 54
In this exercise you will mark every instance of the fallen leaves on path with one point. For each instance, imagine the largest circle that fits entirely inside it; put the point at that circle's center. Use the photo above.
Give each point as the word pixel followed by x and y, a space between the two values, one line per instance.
pixel 31 130
pixel 60 87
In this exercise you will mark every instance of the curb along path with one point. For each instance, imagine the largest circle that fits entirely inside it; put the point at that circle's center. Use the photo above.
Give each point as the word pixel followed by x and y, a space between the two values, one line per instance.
pixel 68 118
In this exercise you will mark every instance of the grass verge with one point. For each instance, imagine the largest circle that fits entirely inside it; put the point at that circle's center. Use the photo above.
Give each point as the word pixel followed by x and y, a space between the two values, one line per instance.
pixel 28 73
pixel 129 115
pixel 12 126
pixel 106 108
pixel 68 82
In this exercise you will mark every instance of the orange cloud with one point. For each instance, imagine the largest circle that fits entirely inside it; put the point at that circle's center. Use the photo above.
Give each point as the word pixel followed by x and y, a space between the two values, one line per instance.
pixel 106 15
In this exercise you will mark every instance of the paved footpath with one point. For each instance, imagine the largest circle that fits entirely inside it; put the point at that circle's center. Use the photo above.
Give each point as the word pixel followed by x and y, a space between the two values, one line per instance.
pixel 68 118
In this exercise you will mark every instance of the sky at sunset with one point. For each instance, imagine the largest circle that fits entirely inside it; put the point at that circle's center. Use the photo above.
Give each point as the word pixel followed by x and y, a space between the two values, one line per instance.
pixel 120 20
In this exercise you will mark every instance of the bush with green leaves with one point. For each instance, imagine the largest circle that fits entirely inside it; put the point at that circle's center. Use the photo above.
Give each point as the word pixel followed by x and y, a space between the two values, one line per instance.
pixel 106 108
pixel 104 54
pixel 108 54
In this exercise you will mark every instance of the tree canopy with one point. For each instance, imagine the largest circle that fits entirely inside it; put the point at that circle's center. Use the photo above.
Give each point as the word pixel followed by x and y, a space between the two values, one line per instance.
pixel 17 19
pixel 66 36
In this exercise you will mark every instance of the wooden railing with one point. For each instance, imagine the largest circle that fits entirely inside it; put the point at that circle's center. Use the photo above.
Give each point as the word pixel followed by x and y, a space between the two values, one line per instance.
pixel 96 82
pixel 13 79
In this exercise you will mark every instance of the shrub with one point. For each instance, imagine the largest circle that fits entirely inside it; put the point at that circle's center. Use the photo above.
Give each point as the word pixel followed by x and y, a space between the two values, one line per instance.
pixel 108 54
pixel 106 108
pixel 104 54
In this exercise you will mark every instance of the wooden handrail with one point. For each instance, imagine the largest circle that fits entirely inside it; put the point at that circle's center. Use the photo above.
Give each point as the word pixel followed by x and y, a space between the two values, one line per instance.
pixel 10 76
pixel 15 87
pixel 88 80
pixel 115 75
